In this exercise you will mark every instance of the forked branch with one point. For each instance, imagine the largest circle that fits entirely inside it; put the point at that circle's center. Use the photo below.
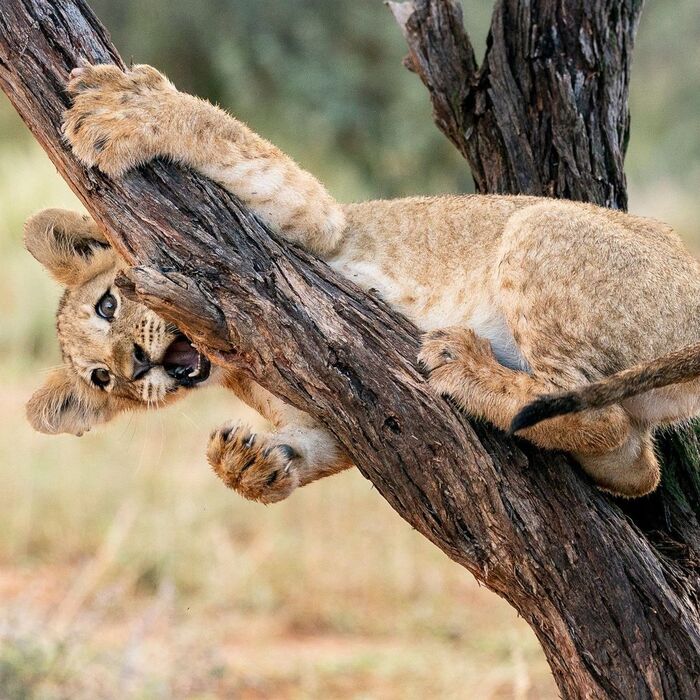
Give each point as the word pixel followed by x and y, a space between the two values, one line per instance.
pixel 595 591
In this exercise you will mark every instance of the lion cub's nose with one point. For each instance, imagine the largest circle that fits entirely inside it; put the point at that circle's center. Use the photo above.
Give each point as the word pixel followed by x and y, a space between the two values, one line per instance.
pixel 141 363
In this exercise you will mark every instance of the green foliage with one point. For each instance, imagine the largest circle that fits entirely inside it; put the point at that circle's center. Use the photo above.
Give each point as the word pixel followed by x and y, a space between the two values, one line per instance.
pixel 321 79
pixel 324 81
pixel 663 164
pixel 31 668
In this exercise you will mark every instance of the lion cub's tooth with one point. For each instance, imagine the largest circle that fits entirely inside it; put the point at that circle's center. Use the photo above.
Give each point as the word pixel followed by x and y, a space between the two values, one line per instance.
pixel 195 372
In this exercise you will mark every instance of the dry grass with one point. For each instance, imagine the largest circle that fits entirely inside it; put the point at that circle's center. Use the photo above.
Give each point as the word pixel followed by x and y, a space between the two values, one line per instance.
pixel 127 570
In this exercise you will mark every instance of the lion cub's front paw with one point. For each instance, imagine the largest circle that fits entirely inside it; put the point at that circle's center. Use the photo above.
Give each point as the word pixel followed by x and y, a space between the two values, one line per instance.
pixel 115 115
pixel 451 356
pixel 253 464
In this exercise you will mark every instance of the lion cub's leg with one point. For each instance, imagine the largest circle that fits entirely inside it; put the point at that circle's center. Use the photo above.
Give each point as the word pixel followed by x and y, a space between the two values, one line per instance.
pixel 268 466
pixel 462 366
pixel 608 444
pixel 631 470
pixel 120 120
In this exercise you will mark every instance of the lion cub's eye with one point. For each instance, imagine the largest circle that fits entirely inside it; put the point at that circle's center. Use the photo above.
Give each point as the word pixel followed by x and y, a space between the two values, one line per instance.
pixel 106 306
pixel 100 377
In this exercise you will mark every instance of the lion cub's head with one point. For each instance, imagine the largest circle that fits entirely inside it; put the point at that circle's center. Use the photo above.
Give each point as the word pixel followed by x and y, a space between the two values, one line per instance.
pixel 117 354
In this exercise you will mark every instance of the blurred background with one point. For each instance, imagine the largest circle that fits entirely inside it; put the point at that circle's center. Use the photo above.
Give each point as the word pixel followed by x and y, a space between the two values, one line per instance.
pixel 126 569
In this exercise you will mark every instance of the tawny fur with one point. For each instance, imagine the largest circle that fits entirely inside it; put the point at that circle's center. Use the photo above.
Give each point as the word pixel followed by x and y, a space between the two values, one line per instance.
pixel 677 367
pixel 519 296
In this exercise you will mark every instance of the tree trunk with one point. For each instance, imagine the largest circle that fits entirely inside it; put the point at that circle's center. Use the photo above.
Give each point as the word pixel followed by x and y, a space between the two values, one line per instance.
pixel 615 611
pixel 546 114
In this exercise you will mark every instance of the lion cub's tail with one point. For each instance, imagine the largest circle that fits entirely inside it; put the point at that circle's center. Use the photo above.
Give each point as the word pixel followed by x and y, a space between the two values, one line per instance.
pixel 674 368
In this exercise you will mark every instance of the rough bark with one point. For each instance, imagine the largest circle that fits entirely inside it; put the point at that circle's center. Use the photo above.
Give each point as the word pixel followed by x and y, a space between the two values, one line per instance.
pixel 546 112
pixel 616 615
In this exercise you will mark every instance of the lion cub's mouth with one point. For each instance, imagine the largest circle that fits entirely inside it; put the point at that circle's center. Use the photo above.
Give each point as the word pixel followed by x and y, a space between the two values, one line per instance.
pixel 184 363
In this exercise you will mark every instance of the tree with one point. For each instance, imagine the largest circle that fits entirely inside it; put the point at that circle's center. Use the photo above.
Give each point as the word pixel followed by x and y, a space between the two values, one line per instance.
pixel 613 602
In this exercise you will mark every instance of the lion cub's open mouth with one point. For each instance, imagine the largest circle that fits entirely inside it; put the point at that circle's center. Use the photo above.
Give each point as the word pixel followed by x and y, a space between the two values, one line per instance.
pixel 184 363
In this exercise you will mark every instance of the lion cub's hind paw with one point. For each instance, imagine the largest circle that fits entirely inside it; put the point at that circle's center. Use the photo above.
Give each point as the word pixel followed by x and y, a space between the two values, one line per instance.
pixel 448 350
pixel 454 359
pixel 253 464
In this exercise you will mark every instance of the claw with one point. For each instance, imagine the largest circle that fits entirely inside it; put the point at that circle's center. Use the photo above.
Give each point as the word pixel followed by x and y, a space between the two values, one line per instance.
pixel 225 433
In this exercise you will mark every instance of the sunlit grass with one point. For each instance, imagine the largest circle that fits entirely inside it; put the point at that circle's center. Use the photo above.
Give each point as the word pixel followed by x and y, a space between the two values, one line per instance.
pixel 28 181
pixel 327 590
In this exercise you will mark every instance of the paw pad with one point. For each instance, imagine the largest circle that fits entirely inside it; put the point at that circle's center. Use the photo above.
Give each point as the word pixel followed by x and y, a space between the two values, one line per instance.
pixel 253 464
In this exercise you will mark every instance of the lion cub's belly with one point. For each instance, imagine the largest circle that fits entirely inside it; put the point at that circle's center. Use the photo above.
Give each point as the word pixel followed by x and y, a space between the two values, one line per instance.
pixel 457 304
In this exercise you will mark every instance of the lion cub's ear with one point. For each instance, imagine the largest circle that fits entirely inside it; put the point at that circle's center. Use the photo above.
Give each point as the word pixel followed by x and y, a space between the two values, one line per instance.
pixel 62 405
pixel 69 245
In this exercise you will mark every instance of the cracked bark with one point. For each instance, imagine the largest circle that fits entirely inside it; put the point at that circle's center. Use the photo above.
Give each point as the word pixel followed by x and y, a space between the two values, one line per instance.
pixel 616 613
pixel 546 112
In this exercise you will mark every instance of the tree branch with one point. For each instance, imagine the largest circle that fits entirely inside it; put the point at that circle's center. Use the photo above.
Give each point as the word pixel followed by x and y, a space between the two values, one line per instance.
pixel 525 523
pixel 447 67
pixel 546 113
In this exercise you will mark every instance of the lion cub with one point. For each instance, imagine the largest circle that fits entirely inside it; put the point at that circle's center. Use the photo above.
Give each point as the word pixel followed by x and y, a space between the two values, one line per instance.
pixel 519 297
